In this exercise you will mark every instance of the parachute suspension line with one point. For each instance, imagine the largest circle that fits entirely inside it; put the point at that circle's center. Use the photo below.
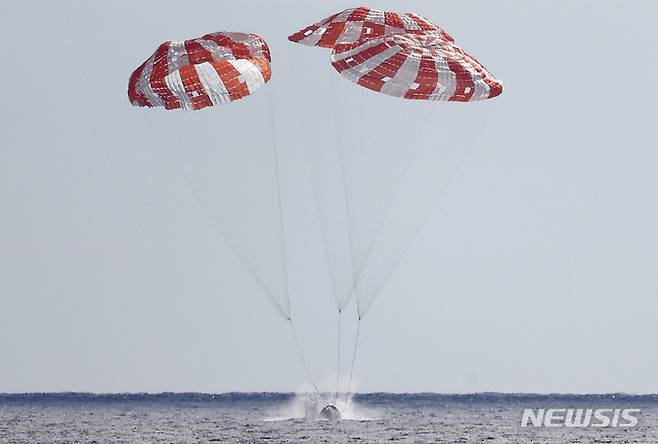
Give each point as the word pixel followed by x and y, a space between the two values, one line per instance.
pixel 203 205
pixel 350 225
pixel 325 242
pixel 339 304
pixel 301 356
pixel 415 233
pixel 338 359
pixel 300 352
pixel 309 163
pixel 277 173
pixel 346 197
pixel 356 347
pixel 350 229
pixel 389 206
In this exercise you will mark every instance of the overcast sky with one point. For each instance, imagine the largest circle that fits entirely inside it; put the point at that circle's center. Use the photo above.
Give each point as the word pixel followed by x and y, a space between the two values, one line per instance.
pixel 536 272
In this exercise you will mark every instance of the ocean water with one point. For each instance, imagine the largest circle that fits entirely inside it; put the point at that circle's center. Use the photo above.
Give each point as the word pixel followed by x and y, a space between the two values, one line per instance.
pixel 282 418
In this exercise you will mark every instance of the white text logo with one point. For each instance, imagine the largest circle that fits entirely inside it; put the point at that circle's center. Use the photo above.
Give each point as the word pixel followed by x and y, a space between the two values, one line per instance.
pixel 580 417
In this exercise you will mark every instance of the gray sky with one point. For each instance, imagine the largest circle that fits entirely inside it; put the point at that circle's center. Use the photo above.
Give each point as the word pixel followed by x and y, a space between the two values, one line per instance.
pixel 537 271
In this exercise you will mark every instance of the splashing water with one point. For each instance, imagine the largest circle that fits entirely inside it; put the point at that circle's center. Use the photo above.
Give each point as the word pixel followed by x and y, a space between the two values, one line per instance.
pixel 307 406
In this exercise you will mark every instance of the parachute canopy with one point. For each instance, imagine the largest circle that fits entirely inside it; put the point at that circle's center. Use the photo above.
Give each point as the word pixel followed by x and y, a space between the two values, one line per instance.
pixel 356 24
pixel 401 55
pixel 194 74
pixel 415 66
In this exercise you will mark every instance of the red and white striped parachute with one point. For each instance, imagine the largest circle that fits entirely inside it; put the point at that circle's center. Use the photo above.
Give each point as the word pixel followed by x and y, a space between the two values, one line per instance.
pixel 415 66
pixel 356 24
pixel 194 74
pixel 402 55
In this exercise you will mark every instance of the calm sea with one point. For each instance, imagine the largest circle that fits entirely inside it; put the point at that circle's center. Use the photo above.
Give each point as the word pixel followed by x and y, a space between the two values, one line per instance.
pixel 282 418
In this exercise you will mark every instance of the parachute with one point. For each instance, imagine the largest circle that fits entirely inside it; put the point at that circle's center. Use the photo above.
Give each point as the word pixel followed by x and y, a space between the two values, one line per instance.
pixel 415 66
pixel 194 74
pixel 402 55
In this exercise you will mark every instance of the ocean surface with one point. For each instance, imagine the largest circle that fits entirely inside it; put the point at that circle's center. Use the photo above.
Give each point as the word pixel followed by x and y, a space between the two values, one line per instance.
pixel 285 418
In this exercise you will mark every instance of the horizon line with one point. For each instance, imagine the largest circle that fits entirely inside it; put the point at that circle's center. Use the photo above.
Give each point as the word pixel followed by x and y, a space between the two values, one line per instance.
pixel 288 393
